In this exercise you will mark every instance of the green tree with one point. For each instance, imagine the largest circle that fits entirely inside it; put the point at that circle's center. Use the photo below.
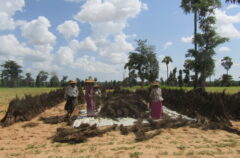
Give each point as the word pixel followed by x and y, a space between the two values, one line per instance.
pixel 206 41
pixel 131 79
pixel 226 80
pixel 28 81
pixel 167 60
pixel 79 81
pixel 172 80
pixel 180 78
pixel 54 81
pixel 192 6
pixel 227 63
pixel 188 66
pixel 41 78
pixel 11 73
pixel 143 61
pixel 63 81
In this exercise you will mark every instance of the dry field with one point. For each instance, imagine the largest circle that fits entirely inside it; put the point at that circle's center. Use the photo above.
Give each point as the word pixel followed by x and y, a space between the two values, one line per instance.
pixel 33 139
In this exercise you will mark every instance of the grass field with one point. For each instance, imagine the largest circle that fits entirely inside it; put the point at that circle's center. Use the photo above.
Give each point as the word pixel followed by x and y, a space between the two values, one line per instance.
pixel 229 90
pixel 7 94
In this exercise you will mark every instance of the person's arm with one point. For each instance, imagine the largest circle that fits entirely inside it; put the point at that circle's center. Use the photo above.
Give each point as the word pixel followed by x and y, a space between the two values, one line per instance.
pixel 66 92
pixel 160 93
pixel 77 92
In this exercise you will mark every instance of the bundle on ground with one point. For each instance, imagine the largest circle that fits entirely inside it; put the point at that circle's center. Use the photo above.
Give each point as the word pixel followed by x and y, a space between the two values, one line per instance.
pixel 30 106
pixel 217 107
pixel 80 134
pixel 123 103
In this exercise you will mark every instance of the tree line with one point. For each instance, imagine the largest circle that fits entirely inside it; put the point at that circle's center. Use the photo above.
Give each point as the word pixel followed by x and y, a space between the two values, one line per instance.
pixel 11 76
pixel 199 59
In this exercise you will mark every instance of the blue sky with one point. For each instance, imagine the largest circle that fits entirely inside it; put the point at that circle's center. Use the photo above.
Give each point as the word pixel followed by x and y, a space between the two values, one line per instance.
pixel 81 38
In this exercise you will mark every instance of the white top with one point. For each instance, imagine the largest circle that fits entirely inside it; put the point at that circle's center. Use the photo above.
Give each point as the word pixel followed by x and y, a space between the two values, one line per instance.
pixel 71 91
pixel 156 95
pixel 97 92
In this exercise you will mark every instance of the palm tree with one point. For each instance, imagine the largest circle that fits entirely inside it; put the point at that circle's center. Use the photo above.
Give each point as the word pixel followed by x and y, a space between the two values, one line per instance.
pixel 191 6
pixel 167 60
pixel 227 63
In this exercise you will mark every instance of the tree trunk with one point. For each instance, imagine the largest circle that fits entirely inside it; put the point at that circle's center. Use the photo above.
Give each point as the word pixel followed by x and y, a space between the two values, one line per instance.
pixel 167 71
pixel 142 82
pixel 203 80
pixel 195 48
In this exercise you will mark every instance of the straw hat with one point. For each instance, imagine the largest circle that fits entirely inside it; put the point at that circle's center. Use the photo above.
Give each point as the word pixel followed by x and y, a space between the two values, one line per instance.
pixel 72 82
pixel 90 80
pixel 96 86
pixel 155 83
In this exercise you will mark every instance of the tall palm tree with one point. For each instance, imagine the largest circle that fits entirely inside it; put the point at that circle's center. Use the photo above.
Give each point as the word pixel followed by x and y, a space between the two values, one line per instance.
pixel 192 6
pixel 167 60
pixel 227 63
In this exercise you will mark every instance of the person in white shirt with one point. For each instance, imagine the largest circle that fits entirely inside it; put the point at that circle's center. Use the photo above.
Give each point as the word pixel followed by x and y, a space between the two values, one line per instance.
pixel 71 94
pixel 156 99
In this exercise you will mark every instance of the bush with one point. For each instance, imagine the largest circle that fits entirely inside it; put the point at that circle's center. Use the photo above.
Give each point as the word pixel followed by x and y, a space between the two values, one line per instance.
pixel 29 107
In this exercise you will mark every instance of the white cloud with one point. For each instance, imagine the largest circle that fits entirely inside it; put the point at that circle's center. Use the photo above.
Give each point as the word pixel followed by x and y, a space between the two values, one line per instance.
pixel 83 46
pixel 224 49
pixel 7 10
pixel 10 47
pixel 111 10
pixel 37 33
pixel 167 44
pixel 45 66
pixel 6 22
pixel 116 51
pixel 187 39
pixel 90 64
pixel 69 29
pixel 232 6
pixel 109 17
pixel 65 56
pixel 11 6
pixel 225 24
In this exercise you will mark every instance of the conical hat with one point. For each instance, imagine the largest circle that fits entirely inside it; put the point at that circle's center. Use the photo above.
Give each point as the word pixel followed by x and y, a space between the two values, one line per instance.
pixel 90 80
pixel 72 82
pixel 155 83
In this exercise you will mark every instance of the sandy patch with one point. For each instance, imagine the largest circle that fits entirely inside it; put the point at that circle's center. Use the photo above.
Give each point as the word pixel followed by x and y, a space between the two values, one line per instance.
pixel 33 139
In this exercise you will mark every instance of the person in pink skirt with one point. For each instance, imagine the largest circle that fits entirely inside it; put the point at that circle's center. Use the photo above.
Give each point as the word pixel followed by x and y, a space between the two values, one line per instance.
pixel 89 98
pixel 156 109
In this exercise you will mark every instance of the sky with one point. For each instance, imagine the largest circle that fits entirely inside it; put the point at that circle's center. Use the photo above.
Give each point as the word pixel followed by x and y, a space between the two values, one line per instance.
pixel 81 38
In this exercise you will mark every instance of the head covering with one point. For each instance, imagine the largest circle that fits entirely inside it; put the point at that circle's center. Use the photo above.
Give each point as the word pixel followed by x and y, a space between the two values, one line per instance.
pixel 155 83
pixel 90 80
pixel 96 86
pixel 72 82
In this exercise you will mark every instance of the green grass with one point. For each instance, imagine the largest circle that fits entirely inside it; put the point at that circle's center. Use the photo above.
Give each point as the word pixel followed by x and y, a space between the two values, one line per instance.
pixel 229 90
pixel 7 94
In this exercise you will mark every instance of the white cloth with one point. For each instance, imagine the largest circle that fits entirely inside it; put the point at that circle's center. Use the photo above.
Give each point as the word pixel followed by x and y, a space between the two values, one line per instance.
pixel 156 95
pixel 98 93
pixel 71 91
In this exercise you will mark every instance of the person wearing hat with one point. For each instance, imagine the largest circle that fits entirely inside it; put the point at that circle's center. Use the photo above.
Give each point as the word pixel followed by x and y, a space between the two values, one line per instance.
pixel 156 110
pixel 89 97
pixel 97 96
pixel 71 94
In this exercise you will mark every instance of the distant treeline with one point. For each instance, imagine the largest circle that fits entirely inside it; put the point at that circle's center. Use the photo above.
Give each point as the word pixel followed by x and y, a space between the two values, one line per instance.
pixel 11 76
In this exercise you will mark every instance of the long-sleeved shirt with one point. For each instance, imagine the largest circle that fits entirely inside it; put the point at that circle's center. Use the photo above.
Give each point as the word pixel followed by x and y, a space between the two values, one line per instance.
pixel 71 91
pixel 156 95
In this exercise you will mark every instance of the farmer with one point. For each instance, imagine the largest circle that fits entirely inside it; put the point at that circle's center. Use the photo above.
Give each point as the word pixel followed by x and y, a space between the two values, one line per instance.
pixel 97 96
pixel 89 97
pixel 156 99
pixel 71 94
